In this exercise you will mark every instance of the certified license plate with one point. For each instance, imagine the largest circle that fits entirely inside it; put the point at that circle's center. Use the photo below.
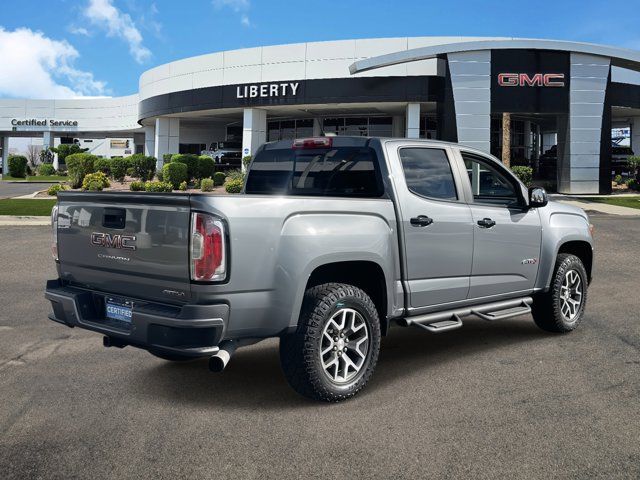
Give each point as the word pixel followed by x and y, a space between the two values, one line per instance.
pixel 120 310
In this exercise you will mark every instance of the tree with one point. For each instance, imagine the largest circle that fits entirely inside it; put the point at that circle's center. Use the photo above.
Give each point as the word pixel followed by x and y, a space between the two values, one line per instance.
pixel 33 154
pixel 506 139
pixel 66 149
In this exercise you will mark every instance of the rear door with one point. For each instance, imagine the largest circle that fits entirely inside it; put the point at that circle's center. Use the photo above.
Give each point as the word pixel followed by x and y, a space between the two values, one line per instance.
pixel 507 237
pixel 436 224
pixel 133 245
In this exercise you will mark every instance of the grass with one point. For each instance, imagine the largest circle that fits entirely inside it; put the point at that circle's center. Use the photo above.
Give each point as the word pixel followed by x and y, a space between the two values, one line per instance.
pixel 26 207
pixel 631 202
pixel 37 178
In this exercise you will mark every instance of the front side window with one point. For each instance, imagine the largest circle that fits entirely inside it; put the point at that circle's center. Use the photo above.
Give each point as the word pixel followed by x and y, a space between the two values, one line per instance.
pixel 428 173
pixel 488 184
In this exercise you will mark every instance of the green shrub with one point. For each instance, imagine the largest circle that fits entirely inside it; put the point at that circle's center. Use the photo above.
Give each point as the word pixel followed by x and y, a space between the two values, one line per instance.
pixel 54 189
pixel 525 174
pixel 617 180
pixel 159 175
pixel 219 178
pixel 46 169
pixel 633 184
pixel 79 165
pixel 234 186
pixel 190 160
pixel 119 167
pixel 29 171
pixel 205 166
pixel 183 186
pixel 66 150
pixel 102 165
pixel 206 185
pixel 95 182
pixel 18 166
pixel 137 186
pixel 143 167
pixel 158 187
pixel 235 175
pixel 246 160
pixel 175 173
pixel 166 158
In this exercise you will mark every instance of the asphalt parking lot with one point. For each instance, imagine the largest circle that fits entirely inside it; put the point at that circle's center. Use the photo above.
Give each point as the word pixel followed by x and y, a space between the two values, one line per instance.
pixel 491 400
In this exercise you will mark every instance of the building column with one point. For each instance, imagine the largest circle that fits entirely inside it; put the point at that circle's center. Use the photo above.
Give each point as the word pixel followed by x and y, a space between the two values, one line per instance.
pixel 413 120
pixel 635 135
pixel 527 139
pixel 166 138
pixel 150 141
pixel 254 130
pixel 5 155
pixel 397 126
pixel 317 127
pixel 47 142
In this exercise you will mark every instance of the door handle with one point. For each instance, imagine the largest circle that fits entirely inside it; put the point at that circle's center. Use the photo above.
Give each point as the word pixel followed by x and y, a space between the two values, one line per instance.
pixel 486 223
pixel 421 221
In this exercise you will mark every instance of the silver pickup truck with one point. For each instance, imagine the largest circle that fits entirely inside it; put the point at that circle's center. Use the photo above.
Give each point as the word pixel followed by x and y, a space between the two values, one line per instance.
pixel 332 240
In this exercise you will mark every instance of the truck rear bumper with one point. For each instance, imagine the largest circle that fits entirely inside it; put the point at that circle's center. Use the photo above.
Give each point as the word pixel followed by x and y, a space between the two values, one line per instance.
pixel 190 330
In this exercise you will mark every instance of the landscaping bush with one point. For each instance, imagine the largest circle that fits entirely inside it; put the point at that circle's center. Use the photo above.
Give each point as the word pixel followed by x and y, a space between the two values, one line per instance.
pixel 143 167
pixel 618 180
pixel 159 175
pixel 166 158
pixel 525 174
pixel 235 175
pixel 234 186
pixel 205 166
pixel 46 169
pixel 246 160
pixel 18 166
pixel 119 167
pixel 175 173
pixel 137 186
pixel 206 185
pixel 95 182
pixel 634 166
pixel 632 184
pixel 219 178
pixel 79 165
pixel 29 171
pixel 54 189
pixel 158 187
pixel 190 160
pixel 183 186
pixel 102 165
pixel 66 149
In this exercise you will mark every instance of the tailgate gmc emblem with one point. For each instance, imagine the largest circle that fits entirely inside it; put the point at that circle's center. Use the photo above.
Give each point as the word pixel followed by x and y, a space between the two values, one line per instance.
pixel 123 242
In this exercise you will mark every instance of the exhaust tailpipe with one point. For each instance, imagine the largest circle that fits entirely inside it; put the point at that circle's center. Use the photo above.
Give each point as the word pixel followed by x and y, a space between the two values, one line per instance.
pixel 219 360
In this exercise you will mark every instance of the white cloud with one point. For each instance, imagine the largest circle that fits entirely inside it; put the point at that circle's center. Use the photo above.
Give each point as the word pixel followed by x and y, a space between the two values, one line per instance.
pixel 35 66
pixel 103 14
pixel 238 6
pixel 79 31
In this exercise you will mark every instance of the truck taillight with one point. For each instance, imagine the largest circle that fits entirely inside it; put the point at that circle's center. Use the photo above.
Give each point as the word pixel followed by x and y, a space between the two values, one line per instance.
pixel 312 143
pixel 208 251
pixel 54 232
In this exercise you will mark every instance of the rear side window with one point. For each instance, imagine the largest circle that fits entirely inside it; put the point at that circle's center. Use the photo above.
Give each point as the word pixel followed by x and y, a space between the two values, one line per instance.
pixel 428 173
pixel 334 172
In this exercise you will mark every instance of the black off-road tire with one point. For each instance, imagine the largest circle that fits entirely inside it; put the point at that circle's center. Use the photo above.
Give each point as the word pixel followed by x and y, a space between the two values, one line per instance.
pixel 300 351
pixel 171 357
pixel 546 308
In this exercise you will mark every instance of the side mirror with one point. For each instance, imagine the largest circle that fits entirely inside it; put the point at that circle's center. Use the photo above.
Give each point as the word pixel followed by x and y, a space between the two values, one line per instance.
pixel 537 197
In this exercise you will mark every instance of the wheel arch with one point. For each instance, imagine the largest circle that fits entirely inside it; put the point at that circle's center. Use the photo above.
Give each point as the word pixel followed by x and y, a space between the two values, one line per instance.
pixel 580 249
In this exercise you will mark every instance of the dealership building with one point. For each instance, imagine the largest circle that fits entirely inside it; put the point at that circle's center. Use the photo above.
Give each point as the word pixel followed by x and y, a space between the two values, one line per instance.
pixel 564 100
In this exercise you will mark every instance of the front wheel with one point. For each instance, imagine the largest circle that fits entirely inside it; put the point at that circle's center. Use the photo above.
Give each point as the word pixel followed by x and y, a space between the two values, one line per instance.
pixel 561 309
pixel 335 349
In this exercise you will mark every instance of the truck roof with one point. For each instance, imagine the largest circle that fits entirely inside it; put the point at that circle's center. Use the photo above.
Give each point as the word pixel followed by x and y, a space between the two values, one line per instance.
pixel 353 141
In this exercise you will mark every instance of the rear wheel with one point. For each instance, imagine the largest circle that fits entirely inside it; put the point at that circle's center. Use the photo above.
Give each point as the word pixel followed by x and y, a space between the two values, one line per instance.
pixel 335 349
pixel 561 309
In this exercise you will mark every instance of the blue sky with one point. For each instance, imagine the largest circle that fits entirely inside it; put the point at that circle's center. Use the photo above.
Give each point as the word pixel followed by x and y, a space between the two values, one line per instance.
pixel 67 48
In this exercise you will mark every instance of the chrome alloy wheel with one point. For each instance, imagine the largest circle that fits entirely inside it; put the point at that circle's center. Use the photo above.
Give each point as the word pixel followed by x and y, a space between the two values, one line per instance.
pixel 344 345
pixel 571 295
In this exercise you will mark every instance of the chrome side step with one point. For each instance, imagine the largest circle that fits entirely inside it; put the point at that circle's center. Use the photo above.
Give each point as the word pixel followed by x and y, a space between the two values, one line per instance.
pixel 444 321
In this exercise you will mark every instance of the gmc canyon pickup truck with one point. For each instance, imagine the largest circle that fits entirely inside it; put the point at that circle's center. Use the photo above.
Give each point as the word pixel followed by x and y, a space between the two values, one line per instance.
pixel 332 240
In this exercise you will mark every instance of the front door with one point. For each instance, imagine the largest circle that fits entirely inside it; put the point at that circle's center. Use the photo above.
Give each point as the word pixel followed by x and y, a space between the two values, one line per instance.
pixel 507 237
pixel 437 228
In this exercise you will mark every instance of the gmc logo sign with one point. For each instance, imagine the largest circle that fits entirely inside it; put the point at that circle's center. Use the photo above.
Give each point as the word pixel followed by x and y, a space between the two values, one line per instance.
pixel 107 240
pixel 535 80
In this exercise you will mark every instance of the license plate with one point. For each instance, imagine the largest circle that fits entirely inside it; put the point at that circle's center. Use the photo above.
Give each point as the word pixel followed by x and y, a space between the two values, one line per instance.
pixel 118 310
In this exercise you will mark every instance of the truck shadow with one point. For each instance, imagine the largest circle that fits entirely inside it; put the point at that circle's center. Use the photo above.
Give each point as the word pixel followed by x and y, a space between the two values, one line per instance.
pixel 254 379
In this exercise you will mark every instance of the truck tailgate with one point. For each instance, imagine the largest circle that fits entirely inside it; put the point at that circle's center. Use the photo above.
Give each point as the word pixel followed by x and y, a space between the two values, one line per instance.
pixel 133 245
